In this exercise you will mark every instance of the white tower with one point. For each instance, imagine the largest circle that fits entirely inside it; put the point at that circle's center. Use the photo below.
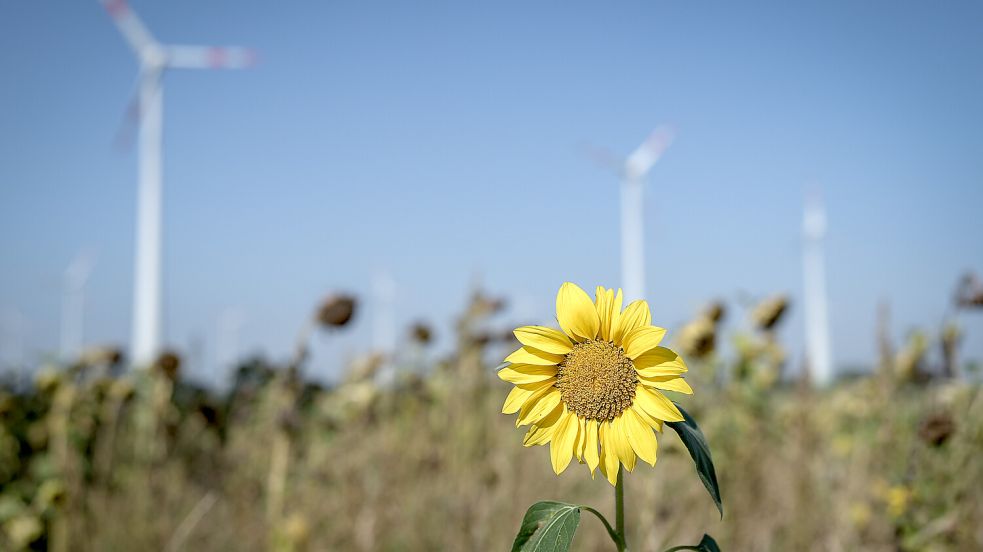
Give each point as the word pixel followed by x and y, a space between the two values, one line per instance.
pixel 384 323
pixel 633 173
pixel 818 355
pixel 154 59
pixel 73 306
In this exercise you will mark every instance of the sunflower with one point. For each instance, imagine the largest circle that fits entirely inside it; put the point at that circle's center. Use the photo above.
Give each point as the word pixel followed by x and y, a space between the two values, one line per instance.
pixel 594 390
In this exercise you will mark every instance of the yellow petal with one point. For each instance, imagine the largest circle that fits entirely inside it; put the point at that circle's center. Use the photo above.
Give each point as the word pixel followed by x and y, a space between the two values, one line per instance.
pixel 526 373
pixel 590 445
pixel 537 436
pixel 668 383
pixel 514 401
pixel 545 339
pixel 652 422
pixel 616 313
pixel 621 445
pixel 659 362
pixel 642 340
pixel 538 385
pixel 640 436
pixel 657 405
pixel 610 318
pixel 636 315
pixel 578 448
pixel 608 310
pixel 542 431
pixel 576 313
pixel 609 458
pixel 521 393
pixel 601 303
pixel 538 406
pixel 561 446
pixel 531 355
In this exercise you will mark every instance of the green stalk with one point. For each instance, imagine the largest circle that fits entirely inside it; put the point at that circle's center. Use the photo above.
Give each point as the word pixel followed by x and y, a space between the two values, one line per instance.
pixel 611 532
pixel 619 511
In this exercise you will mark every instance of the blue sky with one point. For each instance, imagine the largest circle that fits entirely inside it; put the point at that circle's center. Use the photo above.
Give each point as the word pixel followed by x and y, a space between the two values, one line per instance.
pixel 442 143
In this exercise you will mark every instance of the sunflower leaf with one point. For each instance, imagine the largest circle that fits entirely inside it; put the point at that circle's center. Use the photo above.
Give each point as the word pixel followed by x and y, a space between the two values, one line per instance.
pixel 699 450
pixel 547 527
pixel 707 544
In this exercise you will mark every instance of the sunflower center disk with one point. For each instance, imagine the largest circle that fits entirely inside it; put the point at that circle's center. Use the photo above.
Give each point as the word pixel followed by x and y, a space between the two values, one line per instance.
pixel 596 380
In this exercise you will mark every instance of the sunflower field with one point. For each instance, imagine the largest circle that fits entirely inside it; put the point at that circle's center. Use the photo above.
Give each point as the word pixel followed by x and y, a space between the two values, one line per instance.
pixel 94 456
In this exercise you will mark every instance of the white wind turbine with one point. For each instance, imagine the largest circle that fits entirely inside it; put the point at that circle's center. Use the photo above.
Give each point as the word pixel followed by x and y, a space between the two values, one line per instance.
pixel 818 355
pixel 384 324
pixel 633 170
pixel 73 305
pixel 154 59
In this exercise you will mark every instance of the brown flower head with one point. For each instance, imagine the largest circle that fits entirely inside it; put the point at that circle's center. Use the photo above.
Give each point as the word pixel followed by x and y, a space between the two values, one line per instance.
pixel 336 311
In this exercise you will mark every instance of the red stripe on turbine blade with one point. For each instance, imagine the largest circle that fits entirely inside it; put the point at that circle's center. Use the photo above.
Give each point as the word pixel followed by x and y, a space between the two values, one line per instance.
pixel 217 57
pixel 116 8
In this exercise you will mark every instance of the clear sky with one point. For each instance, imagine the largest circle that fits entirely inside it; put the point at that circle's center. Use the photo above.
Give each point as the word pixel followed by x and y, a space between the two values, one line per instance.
pixel 442 142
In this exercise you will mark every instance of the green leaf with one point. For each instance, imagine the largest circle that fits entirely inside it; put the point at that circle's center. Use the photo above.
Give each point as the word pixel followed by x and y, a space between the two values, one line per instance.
pixel 707 544
pixel 698 448
pixel 547 526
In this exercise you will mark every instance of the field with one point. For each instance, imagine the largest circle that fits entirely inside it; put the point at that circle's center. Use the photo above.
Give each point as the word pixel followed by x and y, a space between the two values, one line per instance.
pixel 90 461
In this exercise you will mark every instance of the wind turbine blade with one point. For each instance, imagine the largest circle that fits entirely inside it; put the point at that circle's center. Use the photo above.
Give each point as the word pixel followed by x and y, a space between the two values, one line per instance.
pixel 648 154
pixel 126 132
pixel 603 157
pixel 133 30
pixel 209 57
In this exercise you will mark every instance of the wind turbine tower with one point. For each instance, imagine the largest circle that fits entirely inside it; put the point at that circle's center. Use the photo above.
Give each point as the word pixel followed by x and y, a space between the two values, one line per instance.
pixel 155 58
pixel 384 325
pixel 636 167
pixel 818 355
pixel 73 305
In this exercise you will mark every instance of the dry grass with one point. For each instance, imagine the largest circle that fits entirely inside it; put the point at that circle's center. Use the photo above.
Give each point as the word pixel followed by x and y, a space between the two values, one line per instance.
pixel 432 465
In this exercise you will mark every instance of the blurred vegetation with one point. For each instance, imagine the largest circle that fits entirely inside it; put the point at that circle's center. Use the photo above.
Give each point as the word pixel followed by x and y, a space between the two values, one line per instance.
pixel 93 458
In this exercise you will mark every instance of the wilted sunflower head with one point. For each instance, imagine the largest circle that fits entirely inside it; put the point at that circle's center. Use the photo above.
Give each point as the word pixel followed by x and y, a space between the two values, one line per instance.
pixel 421 333
pixel 715 311
pixel 168 363
pixel 336 311
pixel 594 390
pixel 936 428
pixel 768 313
pixel 698 338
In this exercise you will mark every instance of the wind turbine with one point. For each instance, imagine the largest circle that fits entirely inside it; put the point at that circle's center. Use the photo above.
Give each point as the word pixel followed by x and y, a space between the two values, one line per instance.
pixel 154 59
pixel 73 305
pixel 632 171
pixel 818 355
pixel 384 323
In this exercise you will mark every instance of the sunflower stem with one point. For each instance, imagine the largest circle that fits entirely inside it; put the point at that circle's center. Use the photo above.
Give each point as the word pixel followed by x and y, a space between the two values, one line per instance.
pixel 619 510
pixel 611 532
